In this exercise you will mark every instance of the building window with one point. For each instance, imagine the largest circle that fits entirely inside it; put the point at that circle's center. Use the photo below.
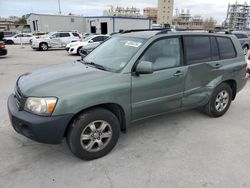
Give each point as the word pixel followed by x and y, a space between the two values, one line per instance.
pixel 72 20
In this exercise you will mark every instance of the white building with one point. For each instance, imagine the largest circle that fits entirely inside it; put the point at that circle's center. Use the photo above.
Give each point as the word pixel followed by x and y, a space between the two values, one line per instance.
pixel 50 22
pixel 96 24
pixel 110 24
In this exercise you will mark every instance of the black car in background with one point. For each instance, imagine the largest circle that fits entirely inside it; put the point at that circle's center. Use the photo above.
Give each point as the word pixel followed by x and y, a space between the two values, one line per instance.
pixel 3 50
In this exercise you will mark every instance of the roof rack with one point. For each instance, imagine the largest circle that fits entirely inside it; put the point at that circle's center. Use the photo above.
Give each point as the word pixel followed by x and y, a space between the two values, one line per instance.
pixel 139 30
pixel 161 30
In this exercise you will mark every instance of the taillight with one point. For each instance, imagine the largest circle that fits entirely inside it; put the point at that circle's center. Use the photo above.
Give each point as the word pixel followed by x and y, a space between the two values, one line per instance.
pixel 2 45
pixel 248 58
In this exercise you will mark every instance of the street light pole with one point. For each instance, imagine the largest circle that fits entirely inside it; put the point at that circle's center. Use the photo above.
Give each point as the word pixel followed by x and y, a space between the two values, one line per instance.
pixel 59 6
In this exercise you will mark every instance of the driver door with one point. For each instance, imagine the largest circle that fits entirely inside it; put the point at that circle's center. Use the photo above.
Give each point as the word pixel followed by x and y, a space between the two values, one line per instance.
pixel 162 91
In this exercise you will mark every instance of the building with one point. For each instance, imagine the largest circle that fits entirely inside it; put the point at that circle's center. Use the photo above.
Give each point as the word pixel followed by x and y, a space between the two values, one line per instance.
pixel 152 13
pixel 95 24
pixel 6 24
pixel 238 17
pixel 165 11
pixel 111 24
pixel 123 12
pixel 51 22
pixel 183 20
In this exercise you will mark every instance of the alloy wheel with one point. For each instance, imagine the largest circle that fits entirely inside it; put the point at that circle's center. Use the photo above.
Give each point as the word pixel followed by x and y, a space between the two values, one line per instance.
pixel 96 136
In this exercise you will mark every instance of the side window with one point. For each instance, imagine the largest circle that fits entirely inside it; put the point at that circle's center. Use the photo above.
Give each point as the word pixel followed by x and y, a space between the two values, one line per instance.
pixel 97 39
pixel 18 36
pixel 226 48
pixel 214 49
pixel 64 35
pixel 105 37
pixel 163 54
pixel 197 49
pixel 56 35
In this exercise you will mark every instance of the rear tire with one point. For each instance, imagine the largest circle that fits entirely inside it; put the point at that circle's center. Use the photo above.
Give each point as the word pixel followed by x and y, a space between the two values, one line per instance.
pixel 220 101
pixel 43 46
pixel 93 134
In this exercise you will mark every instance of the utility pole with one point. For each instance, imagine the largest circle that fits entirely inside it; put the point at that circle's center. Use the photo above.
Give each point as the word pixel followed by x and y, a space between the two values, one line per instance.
pixel 59 6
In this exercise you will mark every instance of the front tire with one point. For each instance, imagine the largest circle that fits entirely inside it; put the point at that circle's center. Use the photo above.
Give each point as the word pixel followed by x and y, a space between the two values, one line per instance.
pixel 220 101
pixel 9 42
pixel 78 51
pixel 43 46
pixel 93 134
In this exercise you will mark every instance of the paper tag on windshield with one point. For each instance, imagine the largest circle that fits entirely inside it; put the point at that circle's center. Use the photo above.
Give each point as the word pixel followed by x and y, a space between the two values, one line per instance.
pixel 133 44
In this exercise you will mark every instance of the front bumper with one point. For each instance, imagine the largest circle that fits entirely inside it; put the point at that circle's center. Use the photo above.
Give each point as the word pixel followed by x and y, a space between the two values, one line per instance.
pixel 48 130
pixel 3 51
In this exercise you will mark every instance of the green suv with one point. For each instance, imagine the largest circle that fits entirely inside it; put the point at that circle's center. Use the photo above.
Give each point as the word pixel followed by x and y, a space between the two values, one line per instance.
pixel 130 77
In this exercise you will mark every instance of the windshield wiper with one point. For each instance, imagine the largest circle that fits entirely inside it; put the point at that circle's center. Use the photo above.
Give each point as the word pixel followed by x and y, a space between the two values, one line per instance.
pixel 95 65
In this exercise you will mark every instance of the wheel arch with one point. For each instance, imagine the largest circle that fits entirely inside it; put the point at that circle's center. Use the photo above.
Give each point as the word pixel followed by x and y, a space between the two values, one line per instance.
pixel 116 109
pixel 233 85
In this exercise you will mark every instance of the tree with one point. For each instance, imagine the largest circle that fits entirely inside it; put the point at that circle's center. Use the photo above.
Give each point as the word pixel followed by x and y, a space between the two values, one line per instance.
pixel 21 21
pixel 209 24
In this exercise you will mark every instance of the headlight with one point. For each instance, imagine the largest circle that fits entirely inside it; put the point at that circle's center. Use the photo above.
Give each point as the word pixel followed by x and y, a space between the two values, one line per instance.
pixel 41 106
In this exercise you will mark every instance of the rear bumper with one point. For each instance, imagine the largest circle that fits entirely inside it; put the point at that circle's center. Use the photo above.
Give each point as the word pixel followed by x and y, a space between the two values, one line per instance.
pixel 3 51
pixel 48 130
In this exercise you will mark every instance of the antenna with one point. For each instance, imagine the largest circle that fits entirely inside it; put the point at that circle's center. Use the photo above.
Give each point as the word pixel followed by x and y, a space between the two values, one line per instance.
pixel 59 6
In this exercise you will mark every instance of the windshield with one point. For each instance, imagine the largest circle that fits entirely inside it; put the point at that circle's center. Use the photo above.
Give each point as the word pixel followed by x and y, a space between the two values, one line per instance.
pixel 115 53
pixel 87 39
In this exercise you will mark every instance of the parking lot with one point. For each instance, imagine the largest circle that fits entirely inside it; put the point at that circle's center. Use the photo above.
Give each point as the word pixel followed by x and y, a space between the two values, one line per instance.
pixel 187 149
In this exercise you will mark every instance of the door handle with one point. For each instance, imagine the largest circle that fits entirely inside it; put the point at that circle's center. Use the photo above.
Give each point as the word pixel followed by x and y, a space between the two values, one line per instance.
pixel 178 73
pixel 217 65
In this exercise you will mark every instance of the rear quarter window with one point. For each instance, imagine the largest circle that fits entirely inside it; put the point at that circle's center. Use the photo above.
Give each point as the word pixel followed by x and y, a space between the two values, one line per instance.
pixel 226 48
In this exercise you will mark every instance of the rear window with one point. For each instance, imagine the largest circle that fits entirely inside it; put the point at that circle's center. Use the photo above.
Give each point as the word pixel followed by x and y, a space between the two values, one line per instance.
pixel 197 49
pixel 64 35
pixel 226 48
pixel 240 36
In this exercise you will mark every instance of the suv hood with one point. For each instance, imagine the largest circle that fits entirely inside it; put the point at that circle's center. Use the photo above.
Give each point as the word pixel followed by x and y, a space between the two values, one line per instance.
pixel 62 79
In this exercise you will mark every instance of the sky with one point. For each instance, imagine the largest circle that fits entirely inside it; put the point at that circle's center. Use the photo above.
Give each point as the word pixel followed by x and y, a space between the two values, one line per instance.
pixel 206 8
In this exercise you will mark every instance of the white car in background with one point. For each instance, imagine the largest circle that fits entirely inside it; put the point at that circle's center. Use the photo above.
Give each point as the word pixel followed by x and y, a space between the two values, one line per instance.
pixel 54 40
pixel 19 38
pixel 91 41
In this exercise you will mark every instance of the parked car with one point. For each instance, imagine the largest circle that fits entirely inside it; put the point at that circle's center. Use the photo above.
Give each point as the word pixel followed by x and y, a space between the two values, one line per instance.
pixel 91 41
pixel 128 78
pixel 244 40
pixel 3 50
pixel 9 33
pixel 54 40
pixel 18 38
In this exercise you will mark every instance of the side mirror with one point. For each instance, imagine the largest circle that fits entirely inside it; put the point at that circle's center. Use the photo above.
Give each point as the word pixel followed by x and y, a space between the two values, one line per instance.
pixel 144 67
pixel 91 41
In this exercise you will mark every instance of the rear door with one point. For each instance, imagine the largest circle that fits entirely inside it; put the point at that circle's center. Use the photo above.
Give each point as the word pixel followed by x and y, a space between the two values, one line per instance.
pixel 162 91
pixel 203 68
pixel 65 39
